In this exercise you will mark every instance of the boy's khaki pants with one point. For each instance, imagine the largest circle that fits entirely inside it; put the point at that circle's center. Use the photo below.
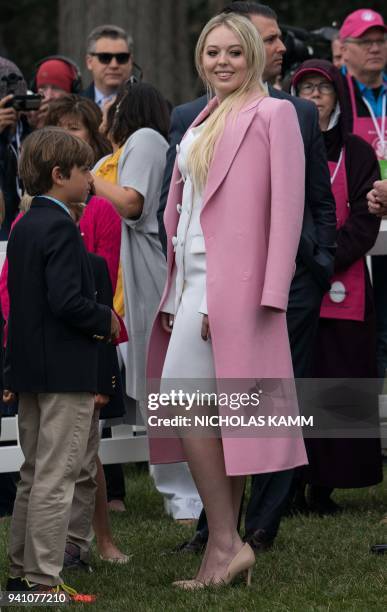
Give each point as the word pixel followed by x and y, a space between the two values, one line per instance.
pixel 59 439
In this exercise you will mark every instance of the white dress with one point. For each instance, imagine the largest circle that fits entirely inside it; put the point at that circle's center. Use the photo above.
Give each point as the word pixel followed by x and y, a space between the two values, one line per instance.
pixel 188 355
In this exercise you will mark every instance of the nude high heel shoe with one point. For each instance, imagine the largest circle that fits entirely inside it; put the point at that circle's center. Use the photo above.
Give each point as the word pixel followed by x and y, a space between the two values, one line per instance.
pixel 243 561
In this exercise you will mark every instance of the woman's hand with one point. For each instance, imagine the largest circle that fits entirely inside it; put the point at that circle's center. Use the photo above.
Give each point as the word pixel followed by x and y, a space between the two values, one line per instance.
pixel 206 332
pixel 105 110
pixel 167 321
pixel 127 201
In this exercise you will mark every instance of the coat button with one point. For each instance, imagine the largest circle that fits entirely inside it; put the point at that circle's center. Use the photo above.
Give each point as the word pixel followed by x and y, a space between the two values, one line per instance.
pixel 177 148
pixel 174 240
pixel 179 208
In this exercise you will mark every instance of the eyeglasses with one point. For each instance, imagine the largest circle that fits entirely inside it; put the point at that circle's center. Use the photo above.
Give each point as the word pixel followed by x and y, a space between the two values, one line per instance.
pixel 106 58
pixel 367 43
pixel 322 88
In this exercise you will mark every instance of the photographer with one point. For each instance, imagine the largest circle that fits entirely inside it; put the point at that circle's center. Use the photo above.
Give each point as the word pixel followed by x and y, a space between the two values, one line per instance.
pixel 13 129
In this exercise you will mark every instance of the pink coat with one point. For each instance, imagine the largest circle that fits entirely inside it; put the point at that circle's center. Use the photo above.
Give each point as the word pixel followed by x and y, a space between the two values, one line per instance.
pixel 251 220
pixel 100 227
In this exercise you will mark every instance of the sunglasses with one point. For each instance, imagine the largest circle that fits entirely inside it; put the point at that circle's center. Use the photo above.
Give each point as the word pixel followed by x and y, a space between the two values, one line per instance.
pixel 106 58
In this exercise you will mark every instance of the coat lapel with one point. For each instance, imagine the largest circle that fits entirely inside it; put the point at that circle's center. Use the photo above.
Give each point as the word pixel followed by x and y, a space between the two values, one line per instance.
pixel 225 151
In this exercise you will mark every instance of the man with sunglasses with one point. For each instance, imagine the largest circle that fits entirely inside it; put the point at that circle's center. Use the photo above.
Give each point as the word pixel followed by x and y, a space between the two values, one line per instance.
pixel 110 60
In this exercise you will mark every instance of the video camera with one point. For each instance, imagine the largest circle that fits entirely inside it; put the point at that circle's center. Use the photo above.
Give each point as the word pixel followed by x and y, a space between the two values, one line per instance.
pixel 9 84
pixel 302 45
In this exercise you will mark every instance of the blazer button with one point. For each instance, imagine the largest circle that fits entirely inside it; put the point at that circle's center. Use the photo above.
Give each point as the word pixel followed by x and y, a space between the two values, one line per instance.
pixel 177 148
pixel 179 208
pixel 174 240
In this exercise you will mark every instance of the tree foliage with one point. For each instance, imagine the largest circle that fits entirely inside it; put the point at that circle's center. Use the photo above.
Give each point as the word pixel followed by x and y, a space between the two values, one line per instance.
pixel 164 31
pixel 28 31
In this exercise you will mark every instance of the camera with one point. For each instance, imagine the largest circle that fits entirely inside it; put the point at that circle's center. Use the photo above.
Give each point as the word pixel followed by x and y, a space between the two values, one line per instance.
pixel 26 103
pixel 302 45
pixel 9 84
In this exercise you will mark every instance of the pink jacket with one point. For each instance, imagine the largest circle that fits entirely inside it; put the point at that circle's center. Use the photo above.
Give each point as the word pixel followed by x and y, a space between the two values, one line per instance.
pixel 251 219
pixel 101 231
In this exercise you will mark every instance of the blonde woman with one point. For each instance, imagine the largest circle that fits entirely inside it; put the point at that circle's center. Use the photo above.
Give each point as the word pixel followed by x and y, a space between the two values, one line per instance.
pixel 233 222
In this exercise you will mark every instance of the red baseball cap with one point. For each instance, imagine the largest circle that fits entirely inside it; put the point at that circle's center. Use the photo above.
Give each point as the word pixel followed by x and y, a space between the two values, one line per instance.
pixel 299 74
pixel 55 72
pixel 359 22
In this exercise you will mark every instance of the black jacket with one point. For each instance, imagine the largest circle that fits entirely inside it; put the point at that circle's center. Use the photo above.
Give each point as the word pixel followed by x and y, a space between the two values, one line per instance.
pixel 89 92
pixel 8 177
pixel 317 244
pixel 55 323
pixel 109 376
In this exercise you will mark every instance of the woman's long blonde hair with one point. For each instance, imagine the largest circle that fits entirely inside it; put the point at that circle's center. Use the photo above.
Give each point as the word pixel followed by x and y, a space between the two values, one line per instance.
pixel 202 150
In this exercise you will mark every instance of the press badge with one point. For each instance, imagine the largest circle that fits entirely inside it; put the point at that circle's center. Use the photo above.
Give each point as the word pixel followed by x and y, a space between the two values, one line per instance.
pixel 337 292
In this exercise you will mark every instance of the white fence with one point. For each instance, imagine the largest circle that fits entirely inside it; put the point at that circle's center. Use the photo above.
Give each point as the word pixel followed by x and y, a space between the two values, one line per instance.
pixel 128 444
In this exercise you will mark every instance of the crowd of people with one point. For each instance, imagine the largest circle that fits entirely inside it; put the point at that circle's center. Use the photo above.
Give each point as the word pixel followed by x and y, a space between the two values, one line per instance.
pixel 225 241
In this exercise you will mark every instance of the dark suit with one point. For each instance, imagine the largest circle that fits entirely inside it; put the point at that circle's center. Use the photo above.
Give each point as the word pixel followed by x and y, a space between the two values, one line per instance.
pixel 54 321
pixel 89 92
pixel 315 259
pixel 8 176
pixel 109 377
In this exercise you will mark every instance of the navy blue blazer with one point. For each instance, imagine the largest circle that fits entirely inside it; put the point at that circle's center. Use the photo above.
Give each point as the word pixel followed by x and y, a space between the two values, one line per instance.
pixel 55 322
pixel 89 92
pixel 109 376
pixel 318 238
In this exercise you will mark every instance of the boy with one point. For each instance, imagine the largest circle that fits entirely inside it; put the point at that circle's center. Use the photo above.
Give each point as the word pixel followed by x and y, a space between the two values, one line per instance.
pixel 51 358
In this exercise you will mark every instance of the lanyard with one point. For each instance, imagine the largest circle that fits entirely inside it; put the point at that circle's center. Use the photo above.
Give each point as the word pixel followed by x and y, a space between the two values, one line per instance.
pixel 379 130
pixel 61 204
pixel 333 177
pixel 16 151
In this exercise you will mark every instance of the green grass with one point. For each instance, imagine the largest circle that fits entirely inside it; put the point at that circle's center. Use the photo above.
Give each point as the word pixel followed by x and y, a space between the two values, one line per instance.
pixel 317 564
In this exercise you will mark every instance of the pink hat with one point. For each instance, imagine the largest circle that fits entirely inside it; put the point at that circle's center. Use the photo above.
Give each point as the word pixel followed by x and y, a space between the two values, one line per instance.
pixel 359 22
